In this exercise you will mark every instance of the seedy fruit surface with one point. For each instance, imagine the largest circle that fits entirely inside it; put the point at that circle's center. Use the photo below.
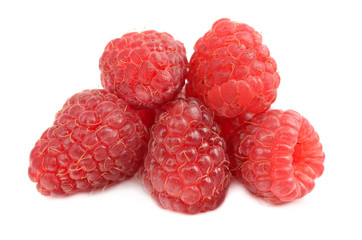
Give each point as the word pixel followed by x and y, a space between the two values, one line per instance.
pixel 232 72
pixel 145 69
pixel 186 168
pixel 278 156
pixel 95 140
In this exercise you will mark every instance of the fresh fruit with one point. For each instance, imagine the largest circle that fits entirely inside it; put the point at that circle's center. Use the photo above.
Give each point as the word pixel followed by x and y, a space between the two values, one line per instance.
pixel 277 155
pixel 185 141
pixel 229 126
pixel 145 69
pixel 95 140
pixel 186 168
pixel 232 72
pixel 147 115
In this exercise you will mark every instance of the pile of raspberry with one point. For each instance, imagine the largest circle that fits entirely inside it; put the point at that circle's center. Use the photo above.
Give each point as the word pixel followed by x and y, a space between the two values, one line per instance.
pixel 185 128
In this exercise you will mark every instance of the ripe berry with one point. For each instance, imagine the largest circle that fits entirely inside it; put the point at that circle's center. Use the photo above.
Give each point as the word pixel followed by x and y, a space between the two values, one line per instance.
pixel 229 126
pixel 147 115
pixel 95 140
pixel 145 69
pixel 277 155
pixel 186 168
pixel 232 72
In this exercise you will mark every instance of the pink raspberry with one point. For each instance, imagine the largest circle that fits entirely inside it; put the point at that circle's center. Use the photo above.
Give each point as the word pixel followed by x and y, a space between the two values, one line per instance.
pixel 232 72
pixel 145 69
pixel 277 155
pixel 95 140
pixel 186 168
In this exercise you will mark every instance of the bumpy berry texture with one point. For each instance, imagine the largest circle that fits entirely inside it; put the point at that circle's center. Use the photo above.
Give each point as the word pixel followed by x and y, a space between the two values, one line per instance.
pixel 186 168
pixel 95 140
pixel 145 69
pixel 278 156
pixel 231 71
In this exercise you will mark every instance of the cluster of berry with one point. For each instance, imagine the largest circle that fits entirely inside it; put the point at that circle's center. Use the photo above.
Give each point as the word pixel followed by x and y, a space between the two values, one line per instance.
pixel 185 144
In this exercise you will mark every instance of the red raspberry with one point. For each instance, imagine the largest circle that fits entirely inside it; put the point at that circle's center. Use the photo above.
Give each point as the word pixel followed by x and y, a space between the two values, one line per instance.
pixel 277 155
pixel 145 69
pixel 229 126
pixel 147 116
pixel 231 70
pixel 95 140
pixel 186 169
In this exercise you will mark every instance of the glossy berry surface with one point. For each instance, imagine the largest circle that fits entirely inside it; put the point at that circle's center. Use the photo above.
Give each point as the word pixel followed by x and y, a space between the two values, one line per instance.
pixel 232 72
pixel 95 140
pixel 278 156
pixel 186 168
pixel 145 69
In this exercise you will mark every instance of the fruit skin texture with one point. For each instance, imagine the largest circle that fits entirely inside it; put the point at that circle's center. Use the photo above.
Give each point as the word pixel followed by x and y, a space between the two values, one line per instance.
pixel 96 140
pixel 232 72
pixel 278 156
pixel 186 169
pixel 145 69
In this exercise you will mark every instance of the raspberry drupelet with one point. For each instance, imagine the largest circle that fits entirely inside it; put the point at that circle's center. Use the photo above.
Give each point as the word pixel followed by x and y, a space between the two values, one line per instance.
pixel 232 72
pixel 95 140
pixel 146 69
pixel 186 169
pixel 277 155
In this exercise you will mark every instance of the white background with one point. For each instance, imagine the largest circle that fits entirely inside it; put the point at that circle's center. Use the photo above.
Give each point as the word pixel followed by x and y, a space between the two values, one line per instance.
pixel 49 51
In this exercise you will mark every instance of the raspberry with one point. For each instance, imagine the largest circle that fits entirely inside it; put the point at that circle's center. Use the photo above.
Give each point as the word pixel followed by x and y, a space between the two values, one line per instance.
pixel 186 168
pixel 229 126
pixel 95 140
pixel 145 69
pixel 231 71
pixel 147 116
pixel 277 155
